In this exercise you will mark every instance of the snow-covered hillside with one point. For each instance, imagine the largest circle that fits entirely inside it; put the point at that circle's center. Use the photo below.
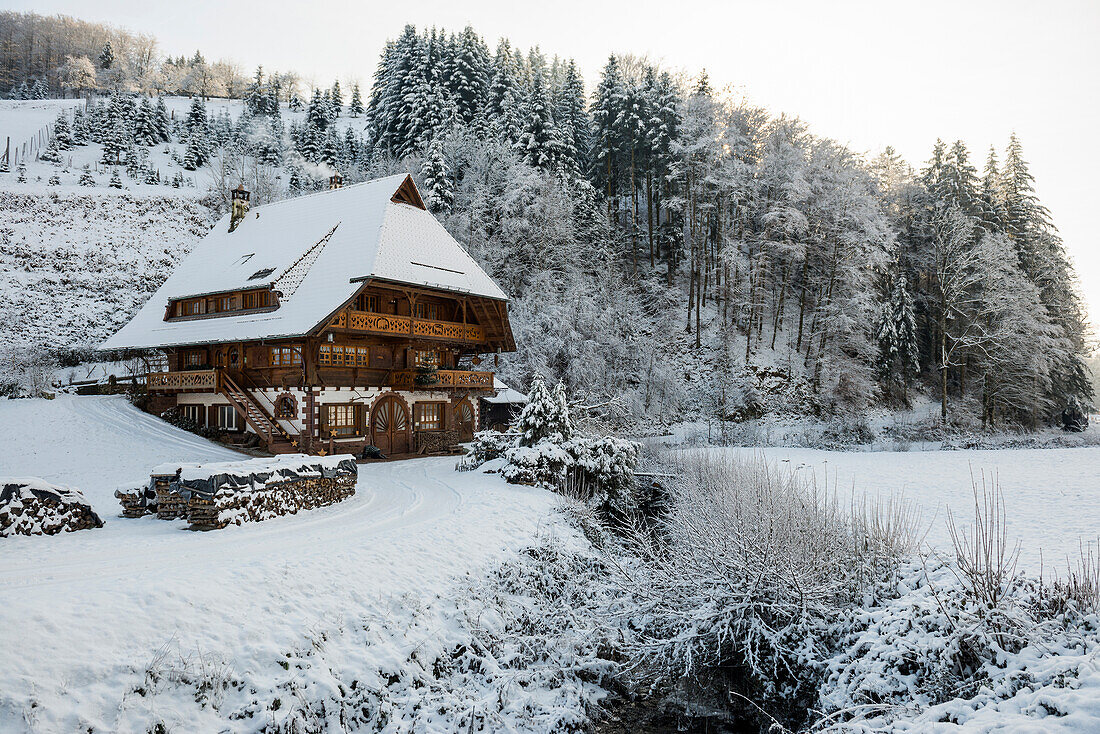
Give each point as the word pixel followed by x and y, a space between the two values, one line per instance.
pixel 104 630
pixel 76 265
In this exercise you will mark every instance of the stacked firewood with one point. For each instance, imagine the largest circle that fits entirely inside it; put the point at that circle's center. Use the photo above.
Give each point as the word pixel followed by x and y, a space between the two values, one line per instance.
pixel 31 506
pixel 212 496
pixel 436 442
pixel 236 505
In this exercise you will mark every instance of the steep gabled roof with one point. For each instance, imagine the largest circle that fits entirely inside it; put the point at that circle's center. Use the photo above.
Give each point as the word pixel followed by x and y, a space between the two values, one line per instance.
pixel 316 250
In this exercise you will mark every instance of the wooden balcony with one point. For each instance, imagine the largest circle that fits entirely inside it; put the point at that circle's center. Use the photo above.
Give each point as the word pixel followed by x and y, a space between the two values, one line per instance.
pixel 179 381
pixel 444 380
pixel 380 323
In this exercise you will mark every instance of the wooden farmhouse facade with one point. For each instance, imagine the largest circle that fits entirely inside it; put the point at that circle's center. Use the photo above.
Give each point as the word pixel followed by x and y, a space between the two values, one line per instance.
pixel 328 322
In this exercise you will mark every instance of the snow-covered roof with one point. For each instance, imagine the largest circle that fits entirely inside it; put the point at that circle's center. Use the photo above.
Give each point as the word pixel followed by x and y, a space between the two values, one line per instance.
pixel 319 248
pixel 505 395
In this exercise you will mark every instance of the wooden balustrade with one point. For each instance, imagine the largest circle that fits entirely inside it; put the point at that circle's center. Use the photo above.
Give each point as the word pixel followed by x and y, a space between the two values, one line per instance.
pixel 186 380
pixel 446 379
pixel 381 323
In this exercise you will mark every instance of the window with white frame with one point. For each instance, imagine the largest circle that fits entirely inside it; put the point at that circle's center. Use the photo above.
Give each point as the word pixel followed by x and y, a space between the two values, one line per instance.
pixel 193 413
pixel 227 417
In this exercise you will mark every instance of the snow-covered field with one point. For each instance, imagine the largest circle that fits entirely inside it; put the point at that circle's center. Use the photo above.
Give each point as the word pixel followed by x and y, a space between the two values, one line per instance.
pixel 90 620
pixel 1052 496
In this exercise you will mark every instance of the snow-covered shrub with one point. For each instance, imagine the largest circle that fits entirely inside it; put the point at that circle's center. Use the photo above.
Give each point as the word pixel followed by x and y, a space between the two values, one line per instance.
pixel 931 656
pixel 1074 417
pixel 743 585
pixel 486 446
pixel 543 465
pixel 605 467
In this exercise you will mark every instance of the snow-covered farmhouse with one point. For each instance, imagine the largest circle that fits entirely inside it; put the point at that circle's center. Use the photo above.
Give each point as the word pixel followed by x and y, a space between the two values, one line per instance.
pixel 331 321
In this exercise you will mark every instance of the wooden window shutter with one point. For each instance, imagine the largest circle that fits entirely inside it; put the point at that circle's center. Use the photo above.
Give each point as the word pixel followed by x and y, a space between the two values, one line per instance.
pixel 212 416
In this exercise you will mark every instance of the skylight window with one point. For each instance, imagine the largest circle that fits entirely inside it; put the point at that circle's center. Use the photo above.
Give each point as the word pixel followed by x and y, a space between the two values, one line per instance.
pixel 261 273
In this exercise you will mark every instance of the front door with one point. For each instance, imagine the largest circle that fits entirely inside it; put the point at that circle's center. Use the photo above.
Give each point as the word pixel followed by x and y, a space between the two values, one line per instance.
pixel 390 426
pixel 464 417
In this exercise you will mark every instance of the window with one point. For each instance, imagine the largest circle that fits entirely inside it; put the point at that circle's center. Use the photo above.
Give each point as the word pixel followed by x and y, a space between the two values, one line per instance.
pixel 193 413
pixel 192 308
pixel 285 357
pixel 234 357
pixel 428 416
pixel 343 355
pixel 325 355
pixel 223 303
pixel 362 356
pixel 366 302
pixel 193 359
pixel 255 299
pixel 427 358
pixel 286 407
pixel 340 420
pixel 427 311
pixel 227 417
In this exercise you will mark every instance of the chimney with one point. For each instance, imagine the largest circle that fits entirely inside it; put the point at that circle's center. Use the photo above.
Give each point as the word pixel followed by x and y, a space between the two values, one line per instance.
pixel 240 206
pixel 336 181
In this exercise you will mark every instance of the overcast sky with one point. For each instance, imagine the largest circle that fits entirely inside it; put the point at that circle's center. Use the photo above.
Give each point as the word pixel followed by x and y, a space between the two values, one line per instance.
pixel 868 74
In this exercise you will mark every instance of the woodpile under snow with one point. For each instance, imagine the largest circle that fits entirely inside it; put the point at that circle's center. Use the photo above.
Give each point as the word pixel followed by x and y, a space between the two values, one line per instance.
pixel 32 506
pixel 215 495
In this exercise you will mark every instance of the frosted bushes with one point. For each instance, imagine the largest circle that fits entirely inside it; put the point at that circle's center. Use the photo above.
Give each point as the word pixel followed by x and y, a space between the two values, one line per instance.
pixel 746 582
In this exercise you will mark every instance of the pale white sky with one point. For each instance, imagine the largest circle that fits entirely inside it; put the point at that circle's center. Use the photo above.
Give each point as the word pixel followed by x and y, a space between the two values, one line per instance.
pixel 866 73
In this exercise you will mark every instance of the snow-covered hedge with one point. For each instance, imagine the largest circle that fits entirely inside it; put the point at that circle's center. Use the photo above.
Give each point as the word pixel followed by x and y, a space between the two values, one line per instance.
pixel 32 506
pixel 486 446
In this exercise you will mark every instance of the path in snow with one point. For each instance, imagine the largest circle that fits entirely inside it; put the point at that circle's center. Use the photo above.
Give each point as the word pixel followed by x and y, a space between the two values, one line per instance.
pixel 1052 496
pixel 82 614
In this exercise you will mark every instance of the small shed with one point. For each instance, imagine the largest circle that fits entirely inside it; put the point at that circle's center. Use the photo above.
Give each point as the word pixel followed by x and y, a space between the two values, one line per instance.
pixel 500 409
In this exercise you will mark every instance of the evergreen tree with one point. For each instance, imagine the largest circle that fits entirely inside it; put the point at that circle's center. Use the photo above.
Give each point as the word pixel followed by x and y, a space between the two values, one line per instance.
pixel 24 91
pixel 545 416
pixel 960 182
pixel 317 114
pixel 51 153
pixel 80 127
pixel 538 143
pixel 356 106
pixel 469 78
pixel 145 125
pixel 62 133
pixel 989 198
pixel 86 177
pixel 162 122
pixel 437 181
pixel 897 336
pixel 116 180
pixel 337 98
pixel 572 118
pixel 40 90
pixel 106 56
pixel 114 142
pixel 330 149
pixel 607 146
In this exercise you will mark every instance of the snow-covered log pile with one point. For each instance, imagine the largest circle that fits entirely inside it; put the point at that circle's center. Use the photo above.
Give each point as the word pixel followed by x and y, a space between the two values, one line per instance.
pixel 217 494
pixel 31 506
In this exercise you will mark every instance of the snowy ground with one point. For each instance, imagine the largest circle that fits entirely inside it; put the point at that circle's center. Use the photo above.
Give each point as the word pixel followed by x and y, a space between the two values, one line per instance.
pixel 1052 496
pixel 85 616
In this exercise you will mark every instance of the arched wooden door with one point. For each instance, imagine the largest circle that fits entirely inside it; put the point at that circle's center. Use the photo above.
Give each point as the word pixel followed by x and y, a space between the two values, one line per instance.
pixel 464 420
pixel 390 425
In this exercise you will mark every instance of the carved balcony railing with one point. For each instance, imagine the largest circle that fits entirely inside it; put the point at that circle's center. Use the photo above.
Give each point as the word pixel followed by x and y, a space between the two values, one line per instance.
pixel 186 380
pixel 380 323
pixel 444 379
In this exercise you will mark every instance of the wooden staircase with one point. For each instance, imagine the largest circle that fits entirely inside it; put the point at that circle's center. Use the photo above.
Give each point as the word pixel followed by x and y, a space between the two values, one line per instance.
pixel 277 439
